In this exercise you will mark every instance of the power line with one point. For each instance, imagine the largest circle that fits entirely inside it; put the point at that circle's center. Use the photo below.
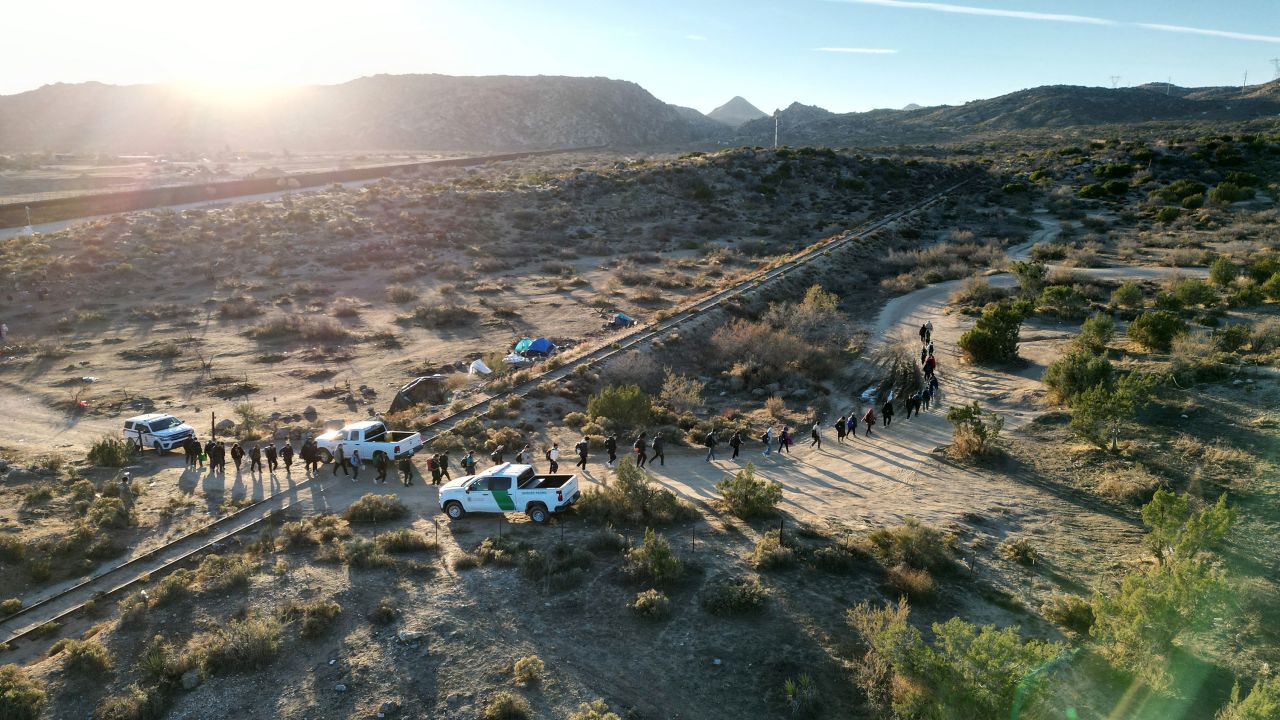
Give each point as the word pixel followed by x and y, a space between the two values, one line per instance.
pixel 1115 80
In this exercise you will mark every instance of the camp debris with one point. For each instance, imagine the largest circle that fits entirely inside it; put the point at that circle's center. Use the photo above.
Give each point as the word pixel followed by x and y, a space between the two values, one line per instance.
pixel 516 359
pixel 426 390
pixel 477 367
pixel 622 320
pixel 531 347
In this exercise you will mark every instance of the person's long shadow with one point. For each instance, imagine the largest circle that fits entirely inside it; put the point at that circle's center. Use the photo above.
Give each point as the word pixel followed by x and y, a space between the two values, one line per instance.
pixel 188 481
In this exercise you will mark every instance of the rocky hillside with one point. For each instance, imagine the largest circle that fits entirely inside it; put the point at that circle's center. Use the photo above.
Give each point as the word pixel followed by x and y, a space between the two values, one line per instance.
pixel 427 112
pixel 736 112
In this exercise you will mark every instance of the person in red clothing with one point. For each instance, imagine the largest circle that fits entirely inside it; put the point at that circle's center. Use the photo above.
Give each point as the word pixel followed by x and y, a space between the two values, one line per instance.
pixel 870 419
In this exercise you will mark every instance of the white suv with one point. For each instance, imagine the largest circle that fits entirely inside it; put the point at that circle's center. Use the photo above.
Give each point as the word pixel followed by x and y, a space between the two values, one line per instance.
pixel 157 430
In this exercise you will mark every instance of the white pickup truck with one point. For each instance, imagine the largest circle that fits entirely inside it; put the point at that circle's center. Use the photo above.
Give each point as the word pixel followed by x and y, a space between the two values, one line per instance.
pixel 509 488
pixel 370 437
pixel 159 431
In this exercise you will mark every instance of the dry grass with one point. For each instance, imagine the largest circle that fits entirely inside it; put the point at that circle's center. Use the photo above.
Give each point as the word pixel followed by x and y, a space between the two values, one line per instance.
pixel 1130 486
pixel 300 327
pixel 914 583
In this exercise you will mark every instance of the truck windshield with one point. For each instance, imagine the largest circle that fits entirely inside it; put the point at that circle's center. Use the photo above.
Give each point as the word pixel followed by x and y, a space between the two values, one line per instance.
pixel 165 424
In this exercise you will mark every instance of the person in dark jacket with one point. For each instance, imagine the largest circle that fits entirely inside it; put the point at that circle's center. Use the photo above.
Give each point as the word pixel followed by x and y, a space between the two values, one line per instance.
pixel 711 441
pixel 237 455
pixel 255 459
pixel 208 452
pixel 270 452
pixel 339 460
pixel 286 455
pixel 381 463
pixel 221 449
pixel 841 429
pixel 851 426
pixel 611 446
pixel 638 447
pixel 581 450
pixel 658 446
pixel 433 466
pixel 870 419
pixel 816 434
pixel 735 442
pixel 496 455
pixel 191 449
pixel 468 463
pixel 886 412
pixel 444 466
pixel 406 471
pixel 784 440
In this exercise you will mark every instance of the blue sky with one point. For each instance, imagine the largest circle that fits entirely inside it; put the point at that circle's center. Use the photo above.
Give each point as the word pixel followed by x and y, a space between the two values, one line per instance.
pixel 841 54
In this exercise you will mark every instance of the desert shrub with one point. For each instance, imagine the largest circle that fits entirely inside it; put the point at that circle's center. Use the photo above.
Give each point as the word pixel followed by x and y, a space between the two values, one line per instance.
pixel 1262 702
pixel 606 539
pixel 964 671
pixel 1191 292
pixel 913 544
pixel 654 561
pixel 1227 192
pixel 1063 301
pixel 1129 486
pixel 1128 295
pixel 464 561
pixel 1096 333
pixel 404 540
pixel 442 314
pixel 973 430
pixel 171 588
pixel 110 452
pixel 680 392
pixel 222 572
pixel 12 550
pixel 364 553
pixel 599 710
pixel 1100 414
pixel 108 512
pixel 136 703
pixel 401 294
pixel 1075 372
pixel 528 669
pixel 310 328
pixel 977 291
pixel 563 567
pixel 1030 275
pixel 372 508
pixel 1168 214
pixel 1115 187
pixel 506 706
pixel 86 657
pixel 627 407
pixel 651 605
pixel 239 308
pixel 914 583
pixel 575 420
pixel 994 336
pixel 1092 191
pixel 633 499
pixel 314 618
pixel 772 552
pixel 503 551
pixel 732 595
pixel 748 496
pixel 236 646
pixel 1069 611
pixel 21 698
pixel 10 606
pixel 1156 329
pixel 766 350
pixel 315 530
pixel 1230 338
pixel 1222 271
pixel 1020 550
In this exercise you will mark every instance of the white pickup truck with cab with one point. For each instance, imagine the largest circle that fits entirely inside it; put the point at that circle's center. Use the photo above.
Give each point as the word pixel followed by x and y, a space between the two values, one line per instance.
pixel 159 431
pixel 509 488
pixel 370 437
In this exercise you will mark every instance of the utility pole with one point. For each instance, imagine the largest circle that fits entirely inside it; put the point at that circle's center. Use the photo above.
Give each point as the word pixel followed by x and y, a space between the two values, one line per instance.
pixel 1245 84
pixel 1168 86
pixel 775 129
pixel 1275 62
pixel 1115 80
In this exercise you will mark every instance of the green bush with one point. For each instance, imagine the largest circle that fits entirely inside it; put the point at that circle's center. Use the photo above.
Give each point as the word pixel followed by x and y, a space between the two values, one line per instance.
pixel 528 669
pixel 236 646
pixel 773 552
pixel 1262 702
pixel 651 605
pixel 314 618
pixel 732 595
pixel 362 552
pixel 912 544
pixel 1192 293
pixel 1128 295
pixel 21 698
pixel 1156 329
pixel 964 671
pixel 1096 333
pixel 108 512
pixel 1228 192
pixel 1115 187
pixel 1113 170
pixel 404 540
pixel 1222 271
pixel 1263 268
pixel 748 496
pixel 1231 337
pixel 12 550
pixel 627 407
pixel 1069 611
pixel 223 572
pixel 372 508
pixel 1100 414
pixel 595 710
pixel 801 696
pixel 1030 276
pixel 110 452
pixel 633 499
pixel 1021 551
pixel 86 657
pixel 1092 191
pixel 1075 372
pixel 994 336
pixel 1168 214
pixel 973 431
pixel 654 561
pixel 506 706
pixel 1062 300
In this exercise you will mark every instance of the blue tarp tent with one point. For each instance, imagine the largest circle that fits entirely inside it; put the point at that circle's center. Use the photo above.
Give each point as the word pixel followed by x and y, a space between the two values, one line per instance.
pixel 541 346
pixel 623 320
pixel 523 345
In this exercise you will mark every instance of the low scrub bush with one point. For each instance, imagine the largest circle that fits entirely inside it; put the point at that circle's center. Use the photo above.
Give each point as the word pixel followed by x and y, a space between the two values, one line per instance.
pixel 309 328
pixel 994 336
pixel 913 544
pixel 171 588
pixel 1096 333
pixel 841 556
pixel 503 551
pixel 1075 372
pixel 651 605
pixel 236 646
pixel 10 606
pixel 506 706
pixel 404 540
pixel 914 583
pixel 1156 329
pixel 1069 611
pixel 401 294
pixel 223 572
pixel 732 595
pixel 1128 295
pixel 625 407
pixel 1063 301
pixel 21 698
pixel 372 508
pixel 772 552
pixel 12 550
pixel 314 618
pixel 364 553
pixel 528 669
pixel 654 561
pixel 136 703
pixel 748 496
pixel 606 539
pixel 633 499
pixel 1021 551
pixel 110 452
pixel 1262 702
pixel 599 710
pixel 1128 486
pixel 974 431
pixel 86 658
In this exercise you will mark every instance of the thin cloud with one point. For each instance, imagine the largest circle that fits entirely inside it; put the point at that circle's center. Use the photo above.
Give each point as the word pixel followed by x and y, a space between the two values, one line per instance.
pixel 1210 33
pixel 1058 17
pixel 695 38
pixel 863 51
pixel 990 12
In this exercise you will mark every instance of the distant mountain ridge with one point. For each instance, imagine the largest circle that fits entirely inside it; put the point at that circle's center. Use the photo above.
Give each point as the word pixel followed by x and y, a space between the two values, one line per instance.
pixel 499 113
pixel 736 112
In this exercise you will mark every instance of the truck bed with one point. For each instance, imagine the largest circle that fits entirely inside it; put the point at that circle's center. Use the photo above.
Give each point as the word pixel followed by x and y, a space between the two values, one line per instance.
pixel 545 482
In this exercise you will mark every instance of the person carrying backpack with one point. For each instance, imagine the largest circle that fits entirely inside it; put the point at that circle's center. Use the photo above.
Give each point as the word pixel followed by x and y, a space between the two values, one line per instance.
pixel 581 449
pixel 710 441
pixel 851 425
pixel 611 446
pixel 406 471
pixel 870 419
pixel 255 459
pixel 553 457
pixel 767 439
pixel 639 448
pixel 816 434
pixel 468 463
pixel 886 412
pixel 496 455
pixel 658 446
pixel 237 455
pixel 433 467
pixel 380 463
pixel 841 429
pixel 784 440
pixel 735 442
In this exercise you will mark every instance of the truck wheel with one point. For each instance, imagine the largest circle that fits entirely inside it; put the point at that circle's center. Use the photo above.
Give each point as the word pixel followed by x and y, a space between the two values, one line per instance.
pixel 538 513
pixel 454 510
pixel 326 457
pixel 157 447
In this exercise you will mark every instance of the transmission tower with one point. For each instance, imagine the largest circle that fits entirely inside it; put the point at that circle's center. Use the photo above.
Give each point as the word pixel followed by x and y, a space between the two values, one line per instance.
pixel 1275 62
pixel 1115 80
